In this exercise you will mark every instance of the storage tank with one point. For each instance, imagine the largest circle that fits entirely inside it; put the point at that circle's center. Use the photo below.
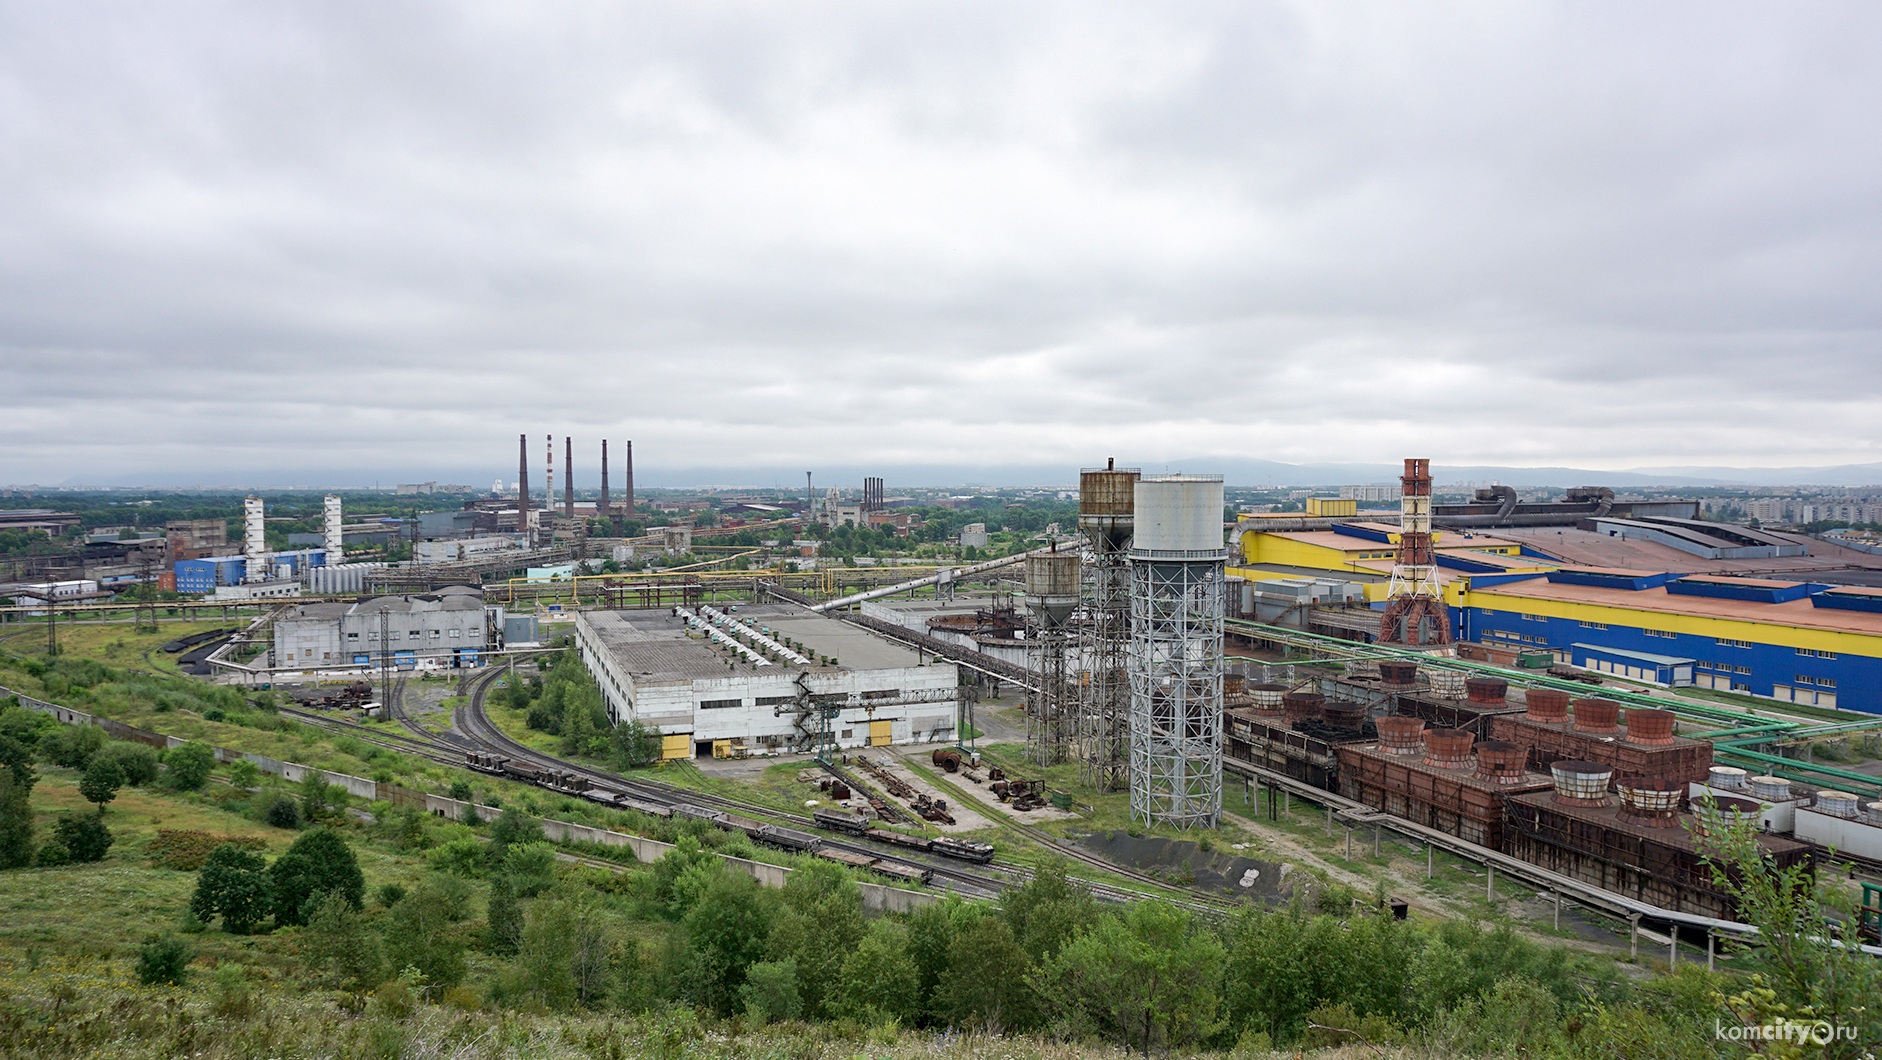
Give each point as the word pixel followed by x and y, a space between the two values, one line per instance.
pixel 1052 586
pixel 1178 517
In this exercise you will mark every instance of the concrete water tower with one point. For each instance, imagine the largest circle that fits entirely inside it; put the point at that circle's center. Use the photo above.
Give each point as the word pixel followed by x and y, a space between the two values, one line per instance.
pixel 1178 577
pixel 1052 597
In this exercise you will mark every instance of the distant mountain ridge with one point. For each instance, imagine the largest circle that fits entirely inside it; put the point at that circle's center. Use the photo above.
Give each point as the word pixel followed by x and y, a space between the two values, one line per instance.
pixel 1236 473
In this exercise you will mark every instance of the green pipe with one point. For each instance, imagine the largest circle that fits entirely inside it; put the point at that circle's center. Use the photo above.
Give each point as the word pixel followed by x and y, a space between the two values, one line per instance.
pixel 1774 728
pixel 1735 749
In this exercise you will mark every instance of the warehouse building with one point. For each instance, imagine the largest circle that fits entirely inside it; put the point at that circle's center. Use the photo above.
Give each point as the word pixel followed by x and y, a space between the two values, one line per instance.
pixel 1799 642
pixel 448 629
pixel 662 668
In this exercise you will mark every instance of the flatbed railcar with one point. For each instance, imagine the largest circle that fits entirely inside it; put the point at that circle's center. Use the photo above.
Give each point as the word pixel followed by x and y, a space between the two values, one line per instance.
pixel 912 842
pixel 905 873
pixel 964 849
pixel 789 839
pixel 845 857
pixel 838 821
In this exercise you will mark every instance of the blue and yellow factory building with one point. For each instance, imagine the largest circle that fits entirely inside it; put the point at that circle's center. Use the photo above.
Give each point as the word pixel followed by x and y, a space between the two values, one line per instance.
pixel 1792 641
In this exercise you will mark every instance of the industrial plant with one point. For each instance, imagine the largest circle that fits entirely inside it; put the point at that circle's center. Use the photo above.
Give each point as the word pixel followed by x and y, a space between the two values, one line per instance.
pixel 1562 690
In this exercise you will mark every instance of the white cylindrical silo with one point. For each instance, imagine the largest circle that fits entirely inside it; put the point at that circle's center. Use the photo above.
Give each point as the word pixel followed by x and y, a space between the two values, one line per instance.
pixel 1177 562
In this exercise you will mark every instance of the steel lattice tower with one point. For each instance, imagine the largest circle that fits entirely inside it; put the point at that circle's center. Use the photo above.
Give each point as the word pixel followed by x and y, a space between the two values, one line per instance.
pixel 1177 579
pixel 1105 503
pixel 1417 615
pixel 1051 597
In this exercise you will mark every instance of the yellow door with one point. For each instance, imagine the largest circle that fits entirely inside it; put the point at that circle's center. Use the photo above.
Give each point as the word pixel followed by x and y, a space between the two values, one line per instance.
pixel 879 734
pixel 680 746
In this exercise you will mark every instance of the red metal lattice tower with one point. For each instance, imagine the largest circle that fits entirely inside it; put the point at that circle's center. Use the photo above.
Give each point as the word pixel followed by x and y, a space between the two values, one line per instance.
pixel 1414 590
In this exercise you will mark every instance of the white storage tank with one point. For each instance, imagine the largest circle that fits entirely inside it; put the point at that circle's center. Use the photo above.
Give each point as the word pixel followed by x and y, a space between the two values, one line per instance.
pixel 1178 516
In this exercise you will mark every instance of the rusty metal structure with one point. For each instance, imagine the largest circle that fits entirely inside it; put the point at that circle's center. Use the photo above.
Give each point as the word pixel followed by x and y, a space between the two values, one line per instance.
pixel 1416 615
pixel 1052 584
pixel 1105 506
pixel 1178 582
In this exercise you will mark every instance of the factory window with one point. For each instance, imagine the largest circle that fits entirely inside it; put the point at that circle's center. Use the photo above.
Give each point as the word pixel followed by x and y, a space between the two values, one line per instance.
pixel 772 701
pixel 719 704
pixel 1594 625
pixel 417 633
pixel 436 634
pixel 352 636
pixel 1729 643
pixel 1532 618
pixel 1657 633
pixel 457 634
pixel 1827 682
pixel 845 735
pixel 1815 654
pixel 371 634
pixel 1741 669
pixel 1740 686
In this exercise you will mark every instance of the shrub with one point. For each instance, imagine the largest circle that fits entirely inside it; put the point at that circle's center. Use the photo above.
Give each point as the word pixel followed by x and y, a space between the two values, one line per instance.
pixel 189 851
pixel 318 862
pixel 163 959
pixel 284 812
pixel 389 894
pixel 84 836
pixel 187 767
pixel 136 763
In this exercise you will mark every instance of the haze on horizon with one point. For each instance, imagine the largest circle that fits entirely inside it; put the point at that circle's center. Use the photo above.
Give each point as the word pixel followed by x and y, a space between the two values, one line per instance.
pixel 327 243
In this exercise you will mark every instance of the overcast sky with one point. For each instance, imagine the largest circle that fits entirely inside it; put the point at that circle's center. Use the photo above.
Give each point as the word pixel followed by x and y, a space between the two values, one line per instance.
pixel 350 241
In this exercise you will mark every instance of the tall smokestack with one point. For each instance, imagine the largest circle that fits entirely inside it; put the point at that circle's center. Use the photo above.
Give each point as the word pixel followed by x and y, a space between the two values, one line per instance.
pixel 607 514
pixel 628 488
pixel 522 484
pixel 548 491
pixel 335 540
pixel 254 542
pixel 568 477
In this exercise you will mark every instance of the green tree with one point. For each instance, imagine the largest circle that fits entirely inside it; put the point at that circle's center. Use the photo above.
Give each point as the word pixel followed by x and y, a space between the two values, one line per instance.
pixel 419 934
pixel 187 768
pixel 531 868
pixel 770 992
pixel 16 819
pixel 504 918
pixel 317 796
pixel 136 763
pixel 565 950
pixel 727 927
pixel 880 975
pixel 72 746
pixel 818 924
pixel 101 781
pixel 1049 911
pixel 1150 975
pixel 233 885
pixel 318 862
pixel 83 836
pixel 1799 915
pixel 512 826
pixel 984 985
pixel 17 757
pixel 632 744
pixel 340 947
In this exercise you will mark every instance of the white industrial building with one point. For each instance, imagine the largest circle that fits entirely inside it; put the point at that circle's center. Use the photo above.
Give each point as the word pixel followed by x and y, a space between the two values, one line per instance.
pixel 663 668
pixel 447 629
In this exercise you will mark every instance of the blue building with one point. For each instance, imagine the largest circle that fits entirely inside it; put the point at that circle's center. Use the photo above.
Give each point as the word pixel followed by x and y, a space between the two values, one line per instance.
pixel 203 575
